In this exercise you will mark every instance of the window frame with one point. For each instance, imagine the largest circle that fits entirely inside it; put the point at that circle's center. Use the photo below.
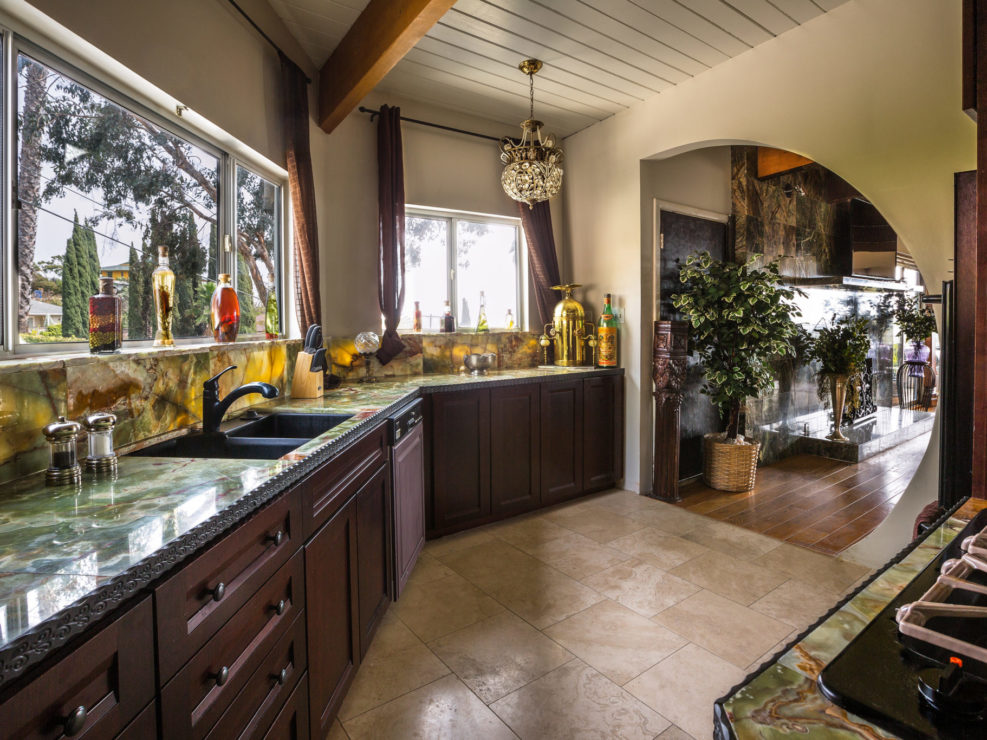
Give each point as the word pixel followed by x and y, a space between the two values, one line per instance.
pixel 452 218
pixel 100 81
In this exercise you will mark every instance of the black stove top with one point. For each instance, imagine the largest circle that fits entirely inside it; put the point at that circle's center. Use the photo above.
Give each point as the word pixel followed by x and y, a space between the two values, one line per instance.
pixel 882 675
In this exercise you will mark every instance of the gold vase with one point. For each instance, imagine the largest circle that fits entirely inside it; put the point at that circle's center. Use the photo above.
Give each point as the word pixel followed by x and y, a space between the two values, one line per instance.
pixel 837 389
pixel 569 331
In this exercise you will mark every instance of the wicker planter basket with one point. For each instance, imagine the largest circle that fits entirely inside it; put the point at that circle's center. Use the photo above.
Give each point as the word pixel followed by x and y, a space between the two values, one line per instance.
pixel 729 467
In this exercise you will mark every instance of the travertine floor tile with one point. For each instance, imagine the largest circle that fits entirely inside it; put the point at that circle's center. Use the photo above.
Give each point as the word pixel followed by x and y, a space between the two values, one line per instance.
pixel 596 523
pixel 442 709
pixel 833 574
pixel 731 631
pixel 528 532
pixel 386 676
pixel 616 641
pixel 434 609
pixel 674 733
pixel 683 687
pixel 544 596
pixel 796 603
pixel 668 518
pixel 427 569
pixel 491 564
pixel 771 652
pixel 641 586
pixel 498 655
pixel 451 543
pixel 730 540
pixel 575 701
pixel 740 580
pixel 336 732
pixel 576 555
pixel 662 549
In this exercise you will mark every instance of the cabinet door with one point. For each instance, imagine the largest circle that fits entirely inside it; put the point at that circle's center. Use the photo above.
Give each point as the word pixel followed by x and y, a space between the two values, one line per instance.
pixel 408 495
pixel 515 444
pixel 331 615
pixel 600 434
pixel 460 462
pixel 373 546
pixel 561 440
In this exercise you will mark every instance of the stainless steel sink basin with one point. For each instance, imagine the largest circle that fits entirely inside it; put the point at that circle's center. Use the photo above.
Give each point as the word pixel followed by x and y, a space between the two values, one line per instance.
pixel 288 426
pixel 218 446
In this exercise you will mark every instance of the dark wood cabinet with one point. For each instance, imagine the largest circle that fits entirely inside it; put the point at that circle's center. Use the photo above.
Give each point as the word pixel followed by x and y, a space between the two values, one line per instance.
pixel 408 497
pixel 373 554
pixel 515 449
pixel 601 431
pixel 292 721
pixel 561 440
pixel 331 583
pixel 460 430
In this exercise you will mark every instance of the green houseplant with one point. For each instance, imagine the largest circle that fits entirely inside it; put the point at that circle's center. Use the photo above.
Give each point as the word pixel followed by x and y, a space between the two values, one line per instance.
pixel 841 349
pixel 916 323
pixel 740 318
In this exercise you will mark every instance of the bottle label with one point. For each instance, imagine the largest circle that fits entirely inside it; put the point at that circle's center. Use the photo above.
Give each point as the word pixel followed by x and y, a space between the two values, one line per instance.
pixel 606 347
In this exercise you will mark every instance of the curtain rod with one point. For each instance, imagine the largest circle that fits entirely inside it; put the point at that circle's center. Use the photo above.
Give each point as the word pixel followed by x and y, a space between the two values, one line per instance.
pixel 267 38
pixel 374 113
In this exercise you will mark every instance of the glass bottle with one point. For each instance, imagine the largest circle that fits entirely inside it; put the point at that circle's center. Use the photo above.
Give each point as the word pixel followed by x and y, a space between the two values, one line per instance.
pixel 163 286
pixel 416 322
pixel 105 319
pixel 482 326
pixel 448 320
pixel 606 355
pixel 272 320
pixel 509 320
pixel 224 311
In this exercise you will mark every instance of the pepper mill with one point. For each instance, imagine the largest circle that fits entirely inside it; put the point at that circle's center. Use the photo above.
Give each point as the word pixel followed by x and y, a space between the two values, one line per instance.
pixel 63 463
pixel 102 457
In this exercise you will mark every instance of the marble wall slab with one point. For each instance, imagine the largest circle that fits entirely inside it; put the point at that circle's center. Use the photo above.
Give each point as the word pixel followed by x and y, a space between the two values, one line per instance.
pixel 29 401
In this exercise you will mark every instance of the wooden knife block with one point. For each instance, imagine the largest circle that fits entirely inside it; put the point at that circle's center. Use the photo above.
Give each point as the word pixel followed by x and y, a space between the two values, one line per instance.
pixel 306 383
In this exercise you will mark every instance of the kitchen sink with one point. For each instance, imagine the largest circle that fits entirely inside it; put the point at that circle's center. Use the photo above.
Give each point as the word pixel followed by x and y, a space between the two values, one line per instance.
pixel 288 426
pixel 219 446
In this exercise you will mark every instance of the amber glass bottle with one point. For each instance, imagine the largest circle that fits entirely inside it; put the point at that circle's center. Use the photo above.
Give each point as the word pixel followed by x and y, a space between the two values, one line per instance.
pixel 607 336
pixel 163 286
pixel 105 319
pixel 224 311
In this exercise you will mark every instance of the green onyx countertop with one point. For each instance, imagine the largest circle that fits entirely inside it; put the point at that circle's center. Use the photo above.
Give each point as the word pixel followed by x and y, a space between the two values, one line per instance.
pixel 61 546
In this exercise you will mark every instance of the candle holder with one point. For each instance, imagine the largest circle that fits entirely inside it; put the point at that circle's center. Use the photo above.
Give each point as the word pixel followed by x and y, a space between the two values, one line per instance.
pixel 102 458
pixel 367 343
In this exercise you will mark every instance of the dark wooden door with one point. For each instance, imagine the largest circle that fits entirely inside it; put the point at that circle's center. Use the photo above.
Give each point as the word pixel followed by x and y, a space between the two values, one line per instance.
pixel 373 540
pixel 561 440
pixel 460 458
pixel 515 455
pixel 680 236
pixel 331 615
pixel 408 495
pixel 600 434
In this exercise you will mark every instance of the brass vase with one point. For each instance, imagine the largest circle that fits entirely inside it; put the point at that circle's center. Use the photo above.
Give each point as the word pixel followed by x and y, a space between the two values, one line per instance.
pixel 837 389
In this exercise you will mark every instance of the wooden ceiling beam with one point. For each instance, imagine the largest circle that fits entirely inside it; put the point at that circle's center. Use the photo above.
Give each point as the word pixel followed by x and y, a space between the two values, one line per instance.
pixel 383 33
pixel 776 161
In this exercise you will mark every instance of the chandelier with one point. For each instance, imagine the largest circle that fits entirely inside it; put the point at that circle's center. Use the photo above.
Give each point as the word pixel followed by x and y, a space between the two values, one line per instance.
pixel 531 166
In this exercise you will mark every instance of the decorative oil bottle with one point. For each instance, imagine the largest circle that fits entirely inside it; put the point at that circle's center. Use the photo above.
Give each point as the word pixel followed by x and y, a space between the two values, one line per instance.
pixel 416 322
pixel 482 325
pixel 607 336
pixel 272 321
pixel 105 319
pixel 224 311
pixel 163 285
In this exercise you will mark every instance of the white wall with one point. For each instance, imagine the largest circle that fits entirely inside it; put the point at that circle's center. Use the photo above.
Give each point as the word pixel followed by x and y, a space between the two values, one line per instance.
pixel 870 90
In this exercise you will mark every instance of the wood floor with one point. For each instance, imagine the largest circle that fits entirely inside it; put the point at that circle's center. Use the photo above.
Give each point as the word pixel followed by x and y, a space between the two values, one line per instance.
pixel 825 505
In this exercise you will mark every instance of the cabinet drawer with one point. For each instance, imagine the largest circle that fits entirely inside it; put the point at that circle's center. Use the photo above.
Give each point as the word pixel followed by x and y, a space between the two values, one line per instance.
pixel 95 690
pixel 199 599
pixel 292 721
pixel 193 701
pixel 144 727
pixel 325 491
pixel 257 705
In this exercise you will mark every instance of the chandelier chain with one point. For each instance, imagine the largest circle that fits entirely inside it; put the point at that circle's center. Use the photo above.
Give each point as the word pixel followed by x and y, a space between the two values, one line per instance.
pixel 531 94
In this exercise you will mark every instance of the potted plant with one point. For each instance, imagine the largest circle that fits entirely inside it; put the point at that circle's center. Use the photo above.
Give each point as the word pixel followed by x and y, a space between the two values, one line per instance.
pixel 786 366
pixel 916 323
pixel 841 349
pixel 740 318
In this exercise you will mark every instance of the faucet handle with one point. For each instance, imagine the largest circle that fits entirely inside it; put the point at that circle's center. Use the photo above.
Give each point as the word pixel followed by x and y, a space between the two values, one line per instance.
pixel 213 383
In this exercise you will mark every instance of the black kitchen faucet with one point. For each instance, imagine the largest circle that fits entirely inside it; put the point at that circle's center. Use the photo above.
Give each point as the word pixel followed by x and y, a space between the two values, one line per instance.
pixel 213 409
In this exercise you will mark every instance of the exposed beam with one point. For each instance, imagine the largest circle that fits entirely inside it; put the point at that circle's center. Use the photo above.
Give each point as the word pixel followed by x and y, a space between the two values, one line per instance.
pixel 385 31
pixel 775 161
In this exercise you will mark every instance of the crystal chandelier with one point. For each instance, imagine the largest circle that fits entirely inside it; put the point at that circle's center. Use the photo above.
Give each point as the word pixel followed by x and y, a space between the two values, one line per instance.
pixel 531 166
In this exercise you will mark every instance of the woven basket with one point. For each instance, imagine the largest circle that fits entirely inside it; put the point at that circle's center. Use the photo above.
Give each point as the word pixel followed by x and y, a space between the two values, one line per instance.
pixel 729 467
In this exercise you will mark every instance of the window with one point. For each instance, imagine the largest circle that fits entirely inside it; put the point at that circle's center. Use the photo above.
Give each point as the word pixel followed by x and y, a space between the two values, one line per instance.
pixel 456 256
pixel 100 185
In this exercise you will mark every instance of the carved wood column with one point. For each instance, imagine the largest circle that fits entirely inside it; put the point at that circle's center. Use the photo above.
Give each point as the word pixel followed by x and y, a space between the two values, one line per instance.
pixel 668 372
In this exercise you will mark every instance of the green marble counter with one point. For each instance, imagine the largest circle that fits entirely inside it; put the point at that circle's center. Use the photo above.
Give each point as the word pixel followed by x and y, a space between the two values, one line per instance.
pixel 60 546
pixel 782 698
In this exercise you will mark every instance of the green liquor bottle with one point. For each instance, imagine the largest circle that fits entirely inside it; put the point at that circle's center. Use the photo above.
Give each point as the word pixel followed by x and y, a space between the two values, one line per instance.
pixel 272 321
pixel 606 336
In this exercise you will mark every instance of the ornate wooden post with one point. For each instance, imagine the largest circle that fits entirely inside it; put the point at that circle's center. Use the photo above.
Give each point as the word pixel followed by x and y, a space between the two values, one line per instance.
pixel 668 372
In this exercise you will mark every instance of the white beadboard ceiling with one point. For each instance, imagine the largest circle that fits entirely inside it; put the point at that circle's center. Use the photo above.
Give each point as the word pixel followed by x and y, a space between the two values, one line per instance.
pixel 601 56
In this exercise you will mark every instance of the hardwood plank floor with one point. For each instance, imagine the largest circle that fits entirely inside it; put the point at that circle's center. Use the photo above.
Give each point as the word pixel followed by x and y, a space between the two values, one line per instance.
pixel 825 505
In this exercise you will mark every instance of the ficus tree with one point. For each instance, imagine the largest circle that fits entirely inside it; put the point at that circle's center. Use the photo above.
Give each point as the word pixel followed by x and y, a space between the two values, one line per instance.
pixel 740 318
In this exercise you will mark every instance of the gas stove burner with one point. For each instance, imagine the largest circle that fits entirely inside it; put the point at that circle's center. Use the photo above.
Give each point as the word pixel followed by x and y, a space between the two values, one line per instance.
pixel 953 691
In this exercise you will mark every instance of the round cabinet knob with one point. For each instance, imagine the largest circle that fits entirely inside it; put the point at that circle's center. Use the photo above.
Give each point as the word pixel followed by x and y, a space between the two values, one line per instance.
pixel 219 592
pixel 280 607
pixel 75 722
pixel 222 676
pixel 277 538
pixel 282 676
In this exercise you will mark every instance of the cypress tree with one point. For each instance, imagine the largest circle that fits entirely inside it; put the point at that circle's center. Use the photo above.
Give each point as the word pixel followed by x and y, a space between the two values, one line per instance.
pixel 135 297
pixel 70 287
pixel 212 269
pixel 244 285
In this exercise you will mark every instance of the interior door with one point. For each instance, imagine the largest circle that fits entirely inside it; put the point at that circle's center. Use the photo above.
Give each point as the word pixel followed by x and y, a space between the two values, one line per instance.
pixel 680 236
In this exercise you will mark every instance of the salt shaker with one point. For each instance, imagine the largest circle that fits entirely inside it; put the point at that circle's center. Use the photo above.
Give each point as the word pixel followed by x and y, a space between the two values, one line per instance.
pixel 102 457
pixel 63 463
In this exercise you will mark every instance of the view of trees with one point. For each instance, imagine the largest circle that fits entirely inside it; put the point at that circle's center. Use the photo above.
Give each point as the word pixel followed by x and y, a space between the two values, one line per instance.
pixel 132 177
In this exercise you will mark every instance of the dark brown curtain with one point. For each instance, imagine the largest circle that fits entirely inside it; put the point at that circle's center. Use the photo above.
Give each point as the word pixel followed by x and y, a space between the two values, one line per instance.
pixel 542 260
pixel 390 215
pixel 296 143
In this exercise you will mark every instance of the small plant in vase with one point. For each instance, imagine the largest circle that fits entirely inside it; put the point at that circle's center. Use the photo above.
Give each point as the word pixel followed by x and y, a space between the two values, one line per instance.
pixel 786 366
pixel 740 318
pixel 841 349
pixel 916 324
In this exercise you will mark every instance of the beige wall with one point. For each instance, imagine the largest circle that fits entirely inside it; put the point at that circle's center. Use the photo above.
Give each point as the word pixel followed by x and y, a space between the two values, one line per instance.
pixel 870 90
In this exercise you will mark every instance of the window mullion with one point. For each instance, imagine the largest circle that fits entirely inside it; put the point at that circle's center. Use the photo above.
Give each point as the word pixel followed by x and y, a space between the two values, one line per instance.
pixel 9 289
pixel 453 269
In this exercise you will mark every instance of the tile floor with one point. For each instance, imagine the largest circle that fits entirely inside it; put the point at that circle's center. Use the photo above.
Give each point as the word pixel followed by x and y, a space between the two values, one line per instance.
pixel 614 616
